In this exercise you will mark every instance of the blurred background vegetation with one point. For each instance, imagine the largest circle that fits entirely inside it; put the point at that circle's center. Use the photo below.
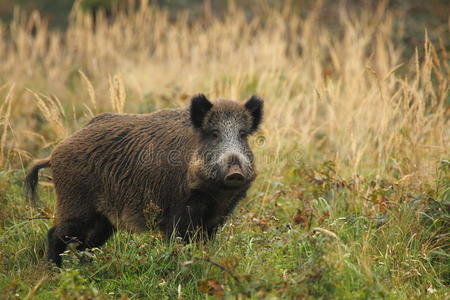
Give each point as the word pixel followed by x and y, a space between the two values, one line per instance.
pixel 418 14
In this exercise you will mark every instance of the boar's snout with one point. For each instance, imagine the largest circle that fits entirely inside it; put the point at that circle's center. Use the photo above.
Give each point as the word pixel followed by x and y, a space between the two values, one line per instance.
pixel 234 176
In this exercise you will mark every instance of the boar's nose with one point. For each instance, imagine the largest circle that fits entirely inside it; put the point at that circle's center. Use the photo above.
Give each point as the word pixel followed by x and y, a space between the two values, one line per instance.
pixel 234 176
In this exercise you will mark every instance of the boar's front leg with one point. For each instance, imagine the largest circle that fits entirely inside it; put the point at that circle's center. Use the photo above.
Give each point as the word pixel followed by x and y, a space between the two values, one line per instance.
pixel 191 222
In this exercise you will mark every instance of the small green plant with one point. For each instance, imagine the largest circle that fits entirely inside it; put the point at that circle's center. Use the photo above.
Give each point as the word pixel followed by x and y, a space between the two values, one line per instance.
pixel 74 286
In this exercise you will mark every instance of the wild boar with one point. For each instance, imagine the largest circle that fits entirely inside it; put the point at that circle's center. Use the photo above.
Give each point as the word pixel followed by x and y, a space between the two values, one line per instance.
pixel 183 170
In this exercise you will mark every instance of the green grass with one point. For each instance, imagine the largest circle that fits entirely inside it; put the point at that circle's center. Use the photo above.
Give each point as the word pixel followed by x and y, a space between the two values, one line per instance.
pixel 311 235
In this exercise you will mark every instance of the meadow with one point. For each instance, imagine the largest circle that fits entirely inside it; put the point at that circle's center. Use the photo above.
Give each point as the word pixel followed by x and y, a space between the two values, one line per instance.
pixel 352 200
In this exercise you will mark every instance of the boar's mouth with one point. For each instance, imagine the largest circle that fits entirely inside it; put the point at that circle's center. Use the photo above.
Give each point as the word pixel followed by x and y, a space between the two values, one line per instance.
pixel 234 177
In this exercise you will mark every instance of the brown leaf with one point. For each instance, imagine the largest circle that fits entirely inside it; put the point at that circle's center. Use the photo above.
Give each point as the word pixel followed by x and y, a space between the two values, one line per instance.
pixel 211 287
pixel 46 212
pixel 261 222
pixel 300 218
pixel 230 262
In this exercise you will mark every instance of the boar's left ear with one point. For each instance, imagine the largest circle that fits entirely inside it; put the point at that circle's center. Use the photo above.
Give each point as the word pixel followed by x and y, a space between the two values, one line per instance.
pixel 200 105
pixel 255 106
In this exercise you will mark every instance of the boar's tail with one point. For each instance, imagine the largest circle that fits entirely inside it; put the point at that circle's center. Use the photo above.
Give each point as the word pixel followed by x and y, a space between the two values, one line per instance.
pixel 31 180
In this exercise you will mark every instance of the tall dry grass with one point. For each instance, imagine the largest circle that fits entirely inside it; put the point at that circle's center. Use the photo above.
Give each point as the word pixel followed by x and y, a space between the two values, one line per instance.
pixel 341 92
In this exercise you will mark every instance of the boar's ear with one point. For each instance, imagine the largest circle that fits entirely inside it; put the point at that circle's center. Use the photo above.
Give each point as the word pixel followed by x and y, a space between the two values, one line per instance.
pixel 255 106
pixel 200 105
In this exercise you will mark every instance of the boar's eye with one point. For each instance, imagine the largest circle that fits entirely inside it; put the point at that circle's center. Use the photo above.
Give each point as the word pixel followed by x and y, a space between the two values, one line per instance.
pixel 215 134
pixel 242 134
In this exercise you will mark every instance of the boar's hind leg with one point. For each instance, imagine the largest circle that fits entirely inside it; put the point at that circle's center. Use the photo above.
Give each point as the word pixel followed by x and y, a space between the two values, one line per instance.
pixel 56 246
pixel 64 233
pixel 101 231
pixel 90 232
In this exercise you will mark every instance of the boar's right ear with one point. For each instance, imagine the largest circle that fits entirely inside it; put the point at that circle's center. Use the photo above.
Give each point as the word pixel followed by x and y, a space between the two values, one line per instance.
pixel 200 105
pixel 255 106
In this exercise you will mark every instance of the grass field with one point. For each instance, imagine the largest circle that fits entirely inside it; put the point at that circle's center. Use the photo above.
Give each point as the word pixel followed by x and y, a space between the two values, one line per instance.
pixel 352 200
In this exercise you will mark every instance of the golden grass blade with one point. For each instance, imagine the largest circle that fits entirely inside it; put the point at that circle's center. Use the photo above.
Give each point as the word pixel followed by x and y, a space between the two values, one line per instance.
pixel 5 114
pixel 91 91
pixel 53 111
